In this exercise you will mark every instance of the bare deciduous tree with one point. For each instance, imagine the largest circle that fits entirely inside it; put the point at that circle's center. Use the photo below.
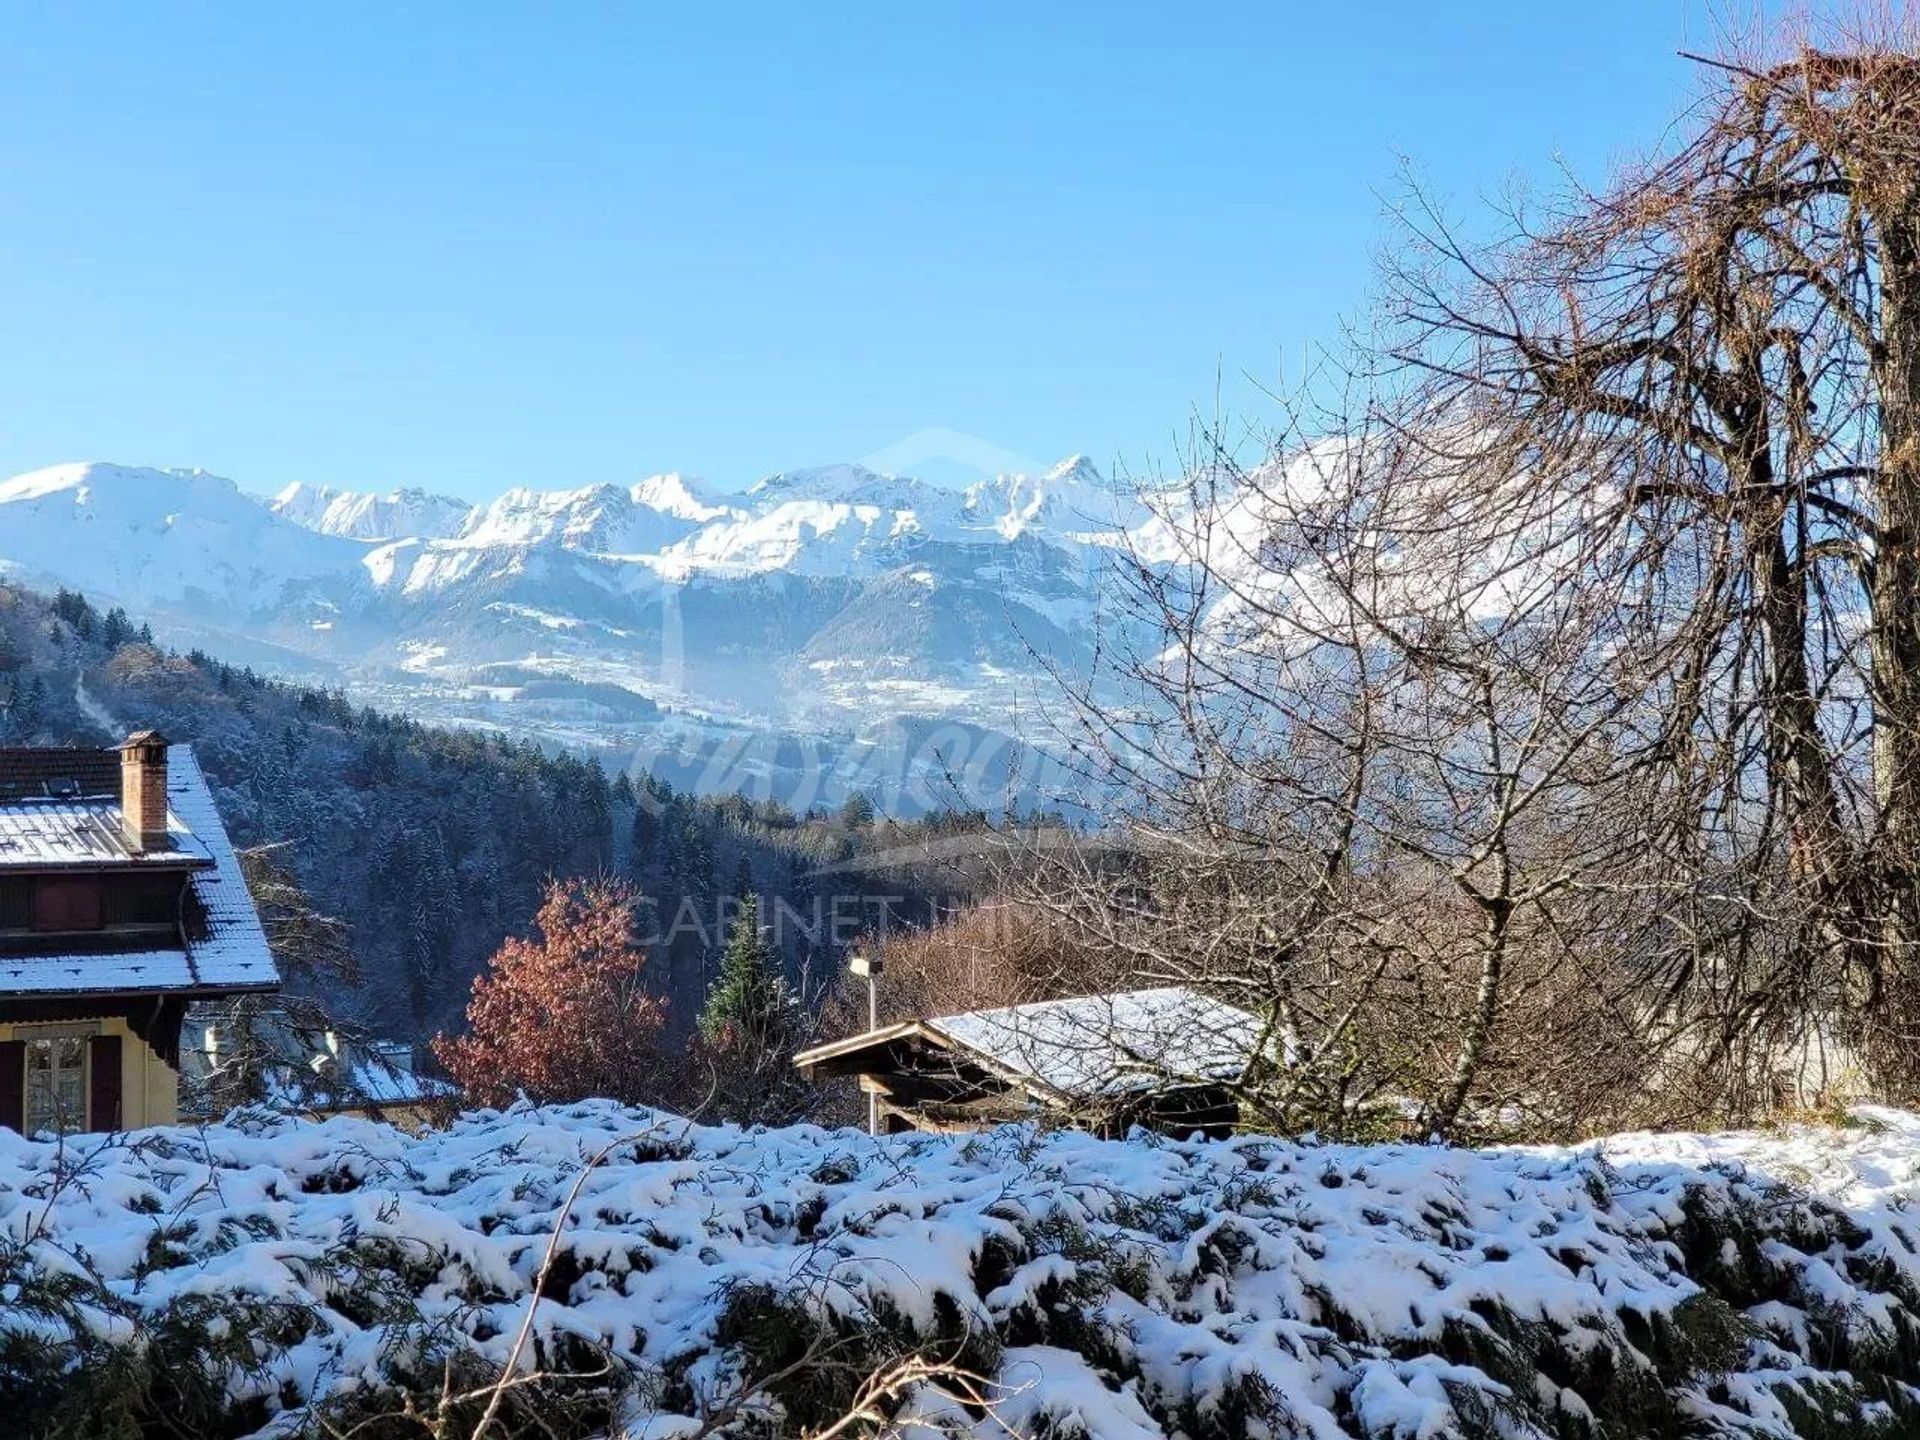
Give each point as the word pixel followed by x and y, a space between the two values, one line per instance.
pixel 1543 749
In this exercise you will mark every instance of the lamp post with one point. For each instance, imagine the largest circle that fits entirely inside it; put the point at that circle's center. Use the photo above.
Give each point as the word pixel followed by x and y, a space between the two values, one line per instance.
pixel 868 968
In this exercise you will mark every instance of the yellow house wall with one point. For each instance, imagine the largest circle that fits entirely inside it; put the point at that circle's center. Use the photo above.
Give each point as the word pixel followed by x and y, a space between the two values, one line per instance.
pixel 149 1087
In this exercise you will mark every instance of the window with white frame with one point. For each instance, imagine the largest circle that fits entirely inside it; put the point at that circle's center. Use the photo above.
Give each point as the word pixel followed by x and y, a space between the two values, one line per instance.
pixel 56 1088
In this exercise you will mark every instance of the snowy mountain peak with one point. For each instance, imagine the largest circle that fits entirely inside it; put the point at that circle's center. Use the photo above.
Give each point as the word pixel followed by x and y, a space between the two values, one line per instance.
pixel 606 519
pixel 1077 469
pixel 1072 499
pixel 133 533
pixel 37 484
pixel 406 512
pixel 843 484
pixel 674 494
pixel 83 479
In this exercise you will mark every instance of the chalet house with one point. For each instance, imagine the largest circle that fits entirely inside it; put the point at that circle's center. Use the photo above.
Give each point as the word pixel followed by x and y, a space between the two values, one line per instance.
pixel 1163 1058
pixel 121 900
pixel 302 1066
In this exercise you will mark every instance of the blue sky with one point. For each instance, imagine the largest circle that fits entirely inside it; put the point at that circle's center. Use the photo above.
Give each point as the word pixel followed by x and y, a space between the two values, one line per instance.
pixel 475 246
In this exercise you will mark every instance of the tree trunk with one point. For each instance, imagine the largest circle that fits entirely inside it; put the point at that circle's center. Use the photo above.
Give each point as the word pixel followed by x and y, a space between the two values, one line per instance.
pixel 1895 643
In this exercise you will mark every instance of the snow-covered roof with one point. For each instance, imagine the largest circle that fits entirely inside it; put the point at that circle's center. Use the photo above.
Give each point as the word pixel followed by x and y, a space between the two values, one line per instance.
pixel 225 946
pixel 60 806
pixel 1109 1044
pixel 1091 1046
pixel 133 971
pixel 308 1068
pixel 84 832
pixel 233 952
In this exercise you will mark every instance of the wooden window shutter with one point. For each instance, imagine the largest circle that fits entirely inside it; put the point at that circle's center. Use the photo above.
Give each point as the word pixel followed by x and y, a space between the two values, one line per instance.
pixel 67 904
pixel 103 1086
pixel 13 1084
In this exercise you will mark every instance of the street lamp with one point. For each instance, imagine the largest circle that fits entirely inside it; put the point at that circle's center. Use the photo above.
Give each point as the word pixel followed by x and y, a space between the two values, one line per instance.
pixel 868 968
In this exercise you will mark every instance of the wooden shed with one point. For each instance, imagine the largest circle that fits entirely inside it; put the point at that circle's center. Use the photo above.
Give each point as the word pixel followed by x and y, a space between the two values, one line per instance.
pixel 1165 1058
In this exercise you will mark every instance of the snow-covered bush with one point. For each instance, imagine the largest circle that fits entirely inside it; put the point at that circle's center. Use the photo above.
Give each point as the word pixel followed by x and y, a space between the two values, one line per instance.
pixel 274 1276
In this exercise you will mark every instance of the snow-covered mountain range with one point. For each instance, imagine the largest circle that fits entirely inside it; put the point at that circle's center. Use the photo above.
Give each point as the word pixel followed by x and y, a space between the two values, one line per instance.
pixel 819 602
pixel 361 515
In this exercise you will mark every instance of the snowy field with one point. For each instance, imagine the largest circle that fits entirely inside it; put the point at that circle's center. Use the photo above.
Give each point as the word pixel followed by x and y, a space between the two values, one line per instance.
pixel 287 1272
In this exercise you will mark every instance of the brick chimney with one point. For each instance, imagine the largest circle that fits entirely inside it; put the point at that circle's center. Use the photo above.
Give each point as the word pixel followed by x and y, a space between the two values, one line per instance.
pixel 143 791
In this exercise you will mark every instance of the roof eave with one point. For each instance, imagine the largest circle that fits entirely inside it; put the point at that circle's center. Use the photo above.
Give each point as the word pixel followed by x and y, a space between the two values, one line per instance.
pixel 122 992
pixel 189 864
pixel 807 1060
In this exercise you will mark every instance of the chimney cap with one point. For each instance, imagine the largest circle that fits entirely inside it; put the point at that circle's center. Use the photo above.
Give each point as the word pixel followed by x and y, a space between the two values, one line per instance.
pixel 143 739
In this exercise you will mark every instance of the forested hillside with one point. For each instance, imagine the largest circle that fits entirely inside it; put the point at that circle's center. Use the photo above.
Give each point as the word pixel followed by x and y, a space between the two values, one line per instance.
pixel 432 844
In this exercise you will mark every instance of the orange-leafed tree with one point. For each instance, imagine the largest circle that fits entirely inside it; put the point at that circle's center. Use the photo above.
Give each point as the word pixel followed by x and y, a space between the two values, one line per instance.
pixel 563 1015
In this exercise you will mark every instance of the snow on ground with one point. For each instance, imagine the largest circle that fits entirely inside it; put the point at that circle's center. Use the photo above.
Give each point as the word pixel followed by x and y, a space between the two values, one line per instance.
pixel 1757 1284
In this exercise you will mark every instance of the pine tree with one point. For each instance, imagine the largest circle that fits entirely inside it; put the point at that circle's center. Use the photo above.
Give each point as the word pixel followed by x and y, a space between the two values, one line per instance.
pixel 699 856
pixel 749 1002
pixel 74 608
pixel 435 914
pixel 800 882
pixel 750 1028
pixel 646 835
pixel 595 796
pixel 29 707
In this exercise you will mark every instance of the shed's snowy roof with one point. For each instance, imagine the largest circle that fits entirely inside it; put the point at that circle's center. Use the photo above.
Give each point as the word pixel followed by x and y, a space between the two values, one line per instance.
pixel 226 949
pixel 1090 1046
pixel 1109 1044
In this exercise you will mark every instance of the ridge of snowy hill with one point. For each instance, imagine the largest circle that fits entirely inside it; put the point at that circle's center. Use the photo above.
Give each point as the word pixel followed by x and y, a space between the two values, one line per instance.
pixel 174 535
pixel 1070 502
pixel 1071 499
pixel 677 1280
pixel 604 519
pixel 360 515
